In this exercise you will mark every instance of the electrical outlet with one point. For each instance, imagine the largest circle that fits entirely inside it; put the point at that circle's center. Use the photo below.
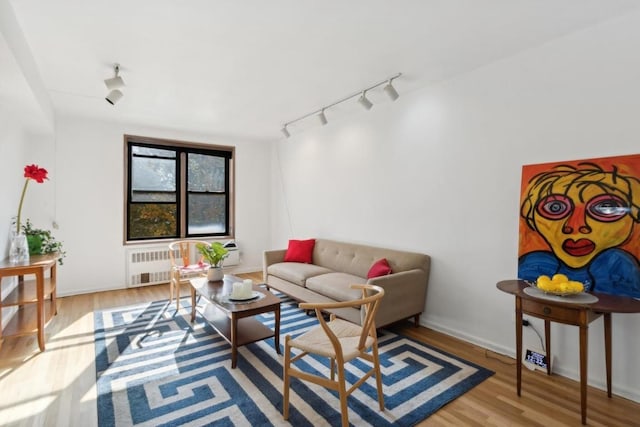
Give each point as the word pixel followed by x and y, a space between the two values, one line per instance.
pixel 536 359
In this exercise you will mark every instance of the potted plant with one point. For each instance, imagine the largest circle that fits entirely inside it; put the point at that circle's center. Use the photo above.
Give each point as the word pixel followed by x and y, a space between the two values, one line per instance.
pixel 214 254
pixel 42 242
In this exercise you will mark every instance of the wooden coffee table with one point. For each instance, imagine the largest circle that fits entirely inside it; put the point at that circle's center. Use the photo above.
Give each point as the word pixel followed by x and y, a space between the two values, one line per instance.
pixel 234 320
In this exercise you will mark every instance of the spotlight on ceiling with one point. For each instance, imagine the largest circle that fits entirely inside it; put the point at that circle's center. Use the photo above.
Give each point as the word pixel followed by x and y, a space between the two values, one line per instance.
pixel 285 131
pixel 322 117
pixel 115 82
pixel 114 96
pixel 364 101
pixel 391 91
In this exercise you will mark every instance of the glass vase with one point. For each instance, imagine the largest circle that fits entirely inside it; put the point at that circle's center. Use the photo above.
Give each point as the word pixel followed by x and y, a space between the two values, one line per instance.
pixel 19 247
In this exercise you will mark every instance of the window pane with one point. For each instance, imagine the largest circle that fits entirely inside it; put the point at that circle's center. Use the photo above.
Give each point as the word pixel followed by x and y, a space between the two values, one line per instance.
pixel 207 214
pixel 152 220
pixel 206 173
pixel 153 179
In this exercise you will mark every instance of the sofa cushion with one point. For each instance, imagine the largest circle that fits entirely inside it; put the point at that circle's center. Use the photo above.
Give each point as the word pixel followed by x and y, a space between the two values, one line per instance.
pixel 300 251
pixel 336 285
pixel 379 268
pixel 296 272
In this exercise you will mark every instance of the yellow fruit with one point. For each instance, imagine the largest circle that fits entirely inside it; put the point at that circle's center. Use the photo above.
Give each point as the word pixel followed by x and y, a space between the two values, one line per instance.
pixel 576 286
pixel 544 278
pixel 559 278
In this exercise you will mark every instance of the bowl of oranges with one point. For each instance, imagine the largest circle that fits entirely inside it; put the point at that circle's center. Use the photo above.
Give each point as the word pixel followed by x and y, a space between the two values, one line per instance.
pixel 559 285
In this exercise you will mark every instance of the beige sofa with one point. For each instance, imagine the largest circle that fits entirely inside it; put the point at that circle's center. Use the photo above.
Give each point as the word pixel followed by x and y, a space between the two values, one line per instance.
pixel 337 265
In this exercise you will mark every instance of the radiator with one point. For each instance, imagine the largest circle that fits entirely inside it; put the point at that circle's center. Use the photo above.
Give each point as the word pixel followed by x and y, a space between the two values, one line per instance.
pixel 150 265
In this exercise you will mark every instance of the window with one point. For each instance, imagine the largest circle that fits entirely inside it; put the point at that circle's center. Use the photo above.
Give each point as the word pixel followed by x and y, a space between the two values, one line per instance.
pixel 177 190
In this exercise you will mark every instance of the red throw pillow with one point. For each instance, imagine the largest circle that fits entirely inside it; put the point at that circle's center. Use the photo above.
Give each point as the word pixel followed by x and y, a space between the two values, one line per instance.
pixel 379 268
pixel 300 251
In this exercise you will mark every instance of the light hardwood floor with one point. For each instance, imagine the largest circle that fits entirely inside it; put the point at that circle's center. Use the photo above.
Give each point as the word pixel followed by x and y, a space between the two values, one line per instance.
pixel 57 387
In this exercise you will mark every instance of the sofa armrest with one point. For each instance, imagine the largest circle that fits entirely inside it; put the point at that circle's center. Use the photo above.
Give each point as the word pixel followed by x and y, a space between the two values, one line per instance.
pixel 271 257
pixel 405 295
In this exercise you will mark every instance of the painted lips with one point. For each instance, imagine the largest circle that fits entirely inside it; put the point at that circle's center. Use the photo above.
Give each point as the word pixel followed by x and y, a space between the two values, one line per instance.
pixel 580 247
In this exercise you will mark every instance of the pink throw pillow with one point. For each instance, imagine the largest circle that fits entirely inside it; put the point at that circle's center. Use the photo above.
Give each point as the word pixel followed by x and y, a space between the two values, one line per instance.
pixel 300 251
pixel 379 268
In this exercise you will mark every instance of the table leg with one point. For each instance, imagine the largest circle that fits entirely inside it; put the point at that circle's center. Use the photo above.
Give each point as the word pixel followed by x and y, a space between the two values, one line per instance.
pixel 584 329
pixel 276 337
pixel 53 278
pixel 547 343
pixel 518 344
pixel 193 304
pixel 607 349
pixel 40 296
pixel 234 340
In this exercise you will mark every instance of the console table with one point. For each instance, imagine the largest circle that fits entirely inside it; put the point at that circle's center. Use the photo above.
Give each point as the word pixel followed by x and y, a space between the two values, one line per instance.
pixel 577 314
pixel 35 299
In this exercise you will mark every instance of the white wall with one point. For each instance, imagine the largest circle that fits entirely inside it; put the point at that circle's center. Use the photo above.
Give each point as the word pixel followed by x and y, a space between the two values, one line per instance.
pixel 438 171
pixel 90 191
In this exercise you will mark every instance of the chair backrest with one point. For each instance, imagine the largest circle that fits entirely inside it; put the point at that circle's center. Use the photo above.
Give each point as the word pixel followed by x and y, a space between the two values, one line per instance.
pixel 371 296
pixel 184 251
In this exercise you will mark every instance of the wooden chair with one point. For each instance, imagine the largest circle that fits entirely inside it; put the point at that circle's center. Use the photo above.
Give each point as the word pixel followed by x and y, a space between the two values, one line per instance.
pixel 341 342
pixel 186 262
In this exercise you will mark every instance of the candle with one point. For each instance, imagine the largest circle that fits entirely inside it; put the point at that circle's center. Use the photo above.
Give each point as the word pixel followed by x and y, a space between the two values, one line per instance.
pixel 237 290
pixel 247 288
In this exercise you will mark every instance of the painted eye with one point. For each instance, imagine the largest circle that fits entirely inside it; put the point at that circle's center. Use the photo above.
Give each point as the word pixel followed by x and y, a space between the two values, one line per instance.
pixel 607 208
pixel 555 207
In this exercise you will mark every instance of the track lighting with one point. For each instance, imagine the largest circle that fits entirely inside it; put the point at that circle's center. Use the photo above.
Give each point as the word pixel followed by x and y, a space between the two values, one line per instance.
pixel 114 96
pixel 391 91
pixel 362 100
pixel 322 118
pixel 114 84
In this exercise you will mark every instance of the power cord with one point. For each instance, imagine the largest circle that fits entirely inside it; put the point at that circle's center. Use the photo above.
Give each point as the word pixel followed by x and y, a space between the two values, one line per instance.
pixel 525 322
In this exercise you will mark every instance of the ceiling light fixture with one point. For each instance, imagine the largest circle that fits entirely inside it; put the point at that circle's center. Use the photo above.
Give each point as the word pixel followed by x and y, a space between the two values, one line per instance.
pixel 114 84
pixel 363 100
pixel 322 118
pixel 391 92
pixel 114 96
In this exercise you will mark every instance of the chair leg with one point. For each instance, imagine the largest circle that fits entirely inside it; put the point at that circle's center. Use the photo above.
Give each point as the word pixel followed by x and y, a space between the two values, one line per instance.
pixel 342 390
pixel 376 366
pixel 285 378
pixel 416 320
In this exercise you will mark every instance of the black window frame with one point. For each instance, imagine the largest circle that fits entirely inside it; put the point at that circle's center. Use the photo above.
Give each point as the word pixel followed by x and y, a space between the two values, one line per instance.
pixel 182 150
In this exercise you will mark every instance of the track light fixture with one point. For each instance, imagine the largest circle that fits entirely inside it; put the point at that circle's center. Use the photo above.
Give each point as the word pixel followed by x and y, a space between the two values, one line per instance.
pixel 322 118
pixel 114 84
pixel 362 100
pixel 114 96
pixel 391 91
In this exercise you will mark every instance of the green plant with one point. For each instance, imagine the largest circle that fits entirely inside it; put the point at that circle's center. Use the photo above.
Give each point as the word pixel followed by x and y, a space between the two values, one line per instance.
pixel 214 253
pixel 42 242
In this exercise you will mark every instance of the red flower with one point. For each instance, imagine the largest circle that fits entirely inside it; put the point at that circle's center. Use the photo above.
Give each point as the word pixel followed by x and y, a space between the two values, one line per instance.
pixel 38 175
pixel 35 173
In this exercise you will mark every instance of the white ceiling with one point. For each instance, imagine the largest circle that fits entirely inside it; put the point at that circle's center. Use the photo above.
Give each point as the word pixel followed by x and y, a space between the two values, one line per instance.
pixel 242 68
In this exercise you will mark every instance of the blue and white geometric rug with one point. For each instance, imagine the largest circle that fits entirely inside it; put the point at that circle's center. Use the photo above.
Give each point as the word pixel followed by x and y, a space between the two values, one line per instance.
pixel 154 368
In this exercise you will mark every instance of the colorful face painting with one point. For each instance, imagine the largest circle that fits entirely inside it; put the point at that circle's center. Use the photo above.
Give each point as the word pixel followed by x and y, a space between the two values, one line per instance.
pixel 582 219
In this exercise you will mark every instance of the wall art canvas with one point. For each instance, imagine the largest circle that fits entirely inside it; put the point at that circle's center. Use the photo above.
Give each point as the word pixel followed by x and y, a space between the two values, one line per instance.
pixel 581 218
